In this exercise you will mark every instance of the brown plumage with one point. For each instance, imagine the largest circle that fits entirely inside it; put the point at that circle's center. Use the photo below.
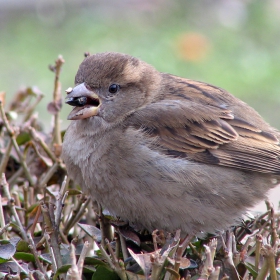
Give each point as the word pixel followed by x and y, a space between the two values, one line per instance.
pixel 163 151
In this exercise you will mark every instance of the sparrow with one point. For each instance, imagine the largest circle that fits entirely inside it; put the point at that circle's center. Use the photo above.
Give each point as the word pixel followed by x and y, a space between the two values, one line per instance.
pixel 165 152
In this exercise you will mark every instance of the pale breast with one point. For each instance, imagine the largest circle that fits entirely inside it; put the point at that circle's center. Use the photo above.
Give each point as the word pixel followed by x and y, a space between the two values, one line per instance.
pixel 124 172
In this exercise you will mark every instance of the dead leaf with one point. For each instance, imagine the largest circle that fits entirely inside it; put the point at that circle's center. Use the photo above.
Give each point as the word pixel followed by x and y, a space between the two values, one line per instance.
pixel 54 107
pixel 185 263
pixel 57 149
pixel 130 235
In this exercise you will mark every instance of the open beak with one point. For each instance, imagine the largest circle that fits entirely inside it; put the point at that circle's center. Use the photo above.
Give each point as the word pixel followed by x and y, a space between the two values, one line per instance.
pixel 86 102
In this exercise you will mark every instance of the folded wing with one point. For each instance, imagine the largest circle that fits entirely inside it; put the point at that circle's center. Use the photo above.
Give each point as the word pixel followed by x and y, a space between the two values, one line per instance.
pixel 203 123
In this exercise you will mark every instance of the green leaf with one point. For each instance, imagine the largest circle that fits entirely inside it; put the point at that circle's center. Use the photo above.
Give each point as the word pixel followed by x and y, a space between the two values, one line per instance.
pixel 251 269
pixel 89 269
pixel 22 138
pixel 62 133
pixel 92 231
pixel 66 259
pixel 103 273
pixel 15 240
pixel 46 257
pixel 30 257
pixel 62 269
pixel 32 207
pixel 79 249
pixel 23 246
pixel 94 261
pixel 12 267
pixel 24 256
pixel 4 241
pixel 6 252
pixel 133 276
pixel 86 269
pixel 74 192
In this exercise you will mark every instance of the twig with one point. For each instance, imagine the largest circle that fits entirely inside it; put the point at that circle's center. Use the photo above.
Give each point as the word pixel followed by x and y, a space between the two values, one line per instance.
pixel 60 201
pixel 20 171
pixel 213 246
pixel 259 243
pixel 25 195
pixel 106 256
pixel 81 212
pixel 6 156
pixel 38 213
pixel 41 142
pixel 156 265
pixel 154 235
pixel 48 175
pixel 3 230
pixel 19 266
pixel 267 265
pixel 18 204
pixel 194 251
pixel 36 257
pixel 124 247
pixel 180 251
pixel 270 255
pixel 113 256
pixel 13 178
pixel 64 185
pixel 31 277
pixel 113 261
pixel 57 99
pixel 30 110
pixel 2 221
pixel 63 237
pixel 59 208
pixel 54 264
pixel 215 274
pixel 118 245
pixel 207 268
pixel 73 272
pixel 41 242
pixel 246 246
pixel 12 206
pixel 77 213
pixel 273 231
pixel 14 142
pixel 236 254
pixel 50 229
pixel 82 257
pixel 228 256
pixel 105 226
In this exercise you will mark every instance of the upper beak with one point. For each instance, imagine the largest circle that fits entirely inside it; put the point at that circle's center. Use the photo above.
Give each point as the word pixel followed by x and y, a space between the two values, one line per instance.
pixel 86 102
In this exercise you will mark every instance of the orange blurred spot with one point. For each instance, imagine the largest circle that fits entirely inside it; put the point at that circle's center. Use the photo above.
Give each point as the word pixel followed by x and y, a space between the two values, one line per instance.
pixel 2 98
pixel 193 46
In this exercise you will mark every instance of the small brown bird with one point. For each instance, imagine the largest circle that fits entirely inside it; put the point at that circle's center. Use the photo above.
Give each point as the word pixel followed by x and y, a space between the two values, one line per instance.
pixel 166 152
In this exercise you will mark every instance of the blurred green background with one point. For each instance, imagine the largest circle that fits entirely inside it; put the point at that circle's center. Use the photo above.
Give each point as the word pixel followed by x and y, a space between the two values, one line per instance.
pixel 233 44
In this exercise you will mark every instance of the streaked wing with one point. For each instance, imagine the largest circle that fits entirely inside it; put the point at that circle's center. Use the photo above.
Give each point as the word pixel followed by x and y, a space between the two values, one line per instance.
pixel 192 124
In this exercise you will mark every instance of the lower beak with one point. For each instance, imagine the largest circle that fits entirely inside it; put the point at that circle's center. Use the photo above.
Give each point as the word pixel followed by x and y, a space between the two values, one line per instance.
pixel 86 102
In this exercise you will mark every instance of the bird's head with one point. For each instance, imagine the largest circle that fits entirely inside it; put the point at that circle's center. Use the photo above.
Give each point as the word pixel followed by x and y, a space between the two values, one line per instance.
pixel 112 86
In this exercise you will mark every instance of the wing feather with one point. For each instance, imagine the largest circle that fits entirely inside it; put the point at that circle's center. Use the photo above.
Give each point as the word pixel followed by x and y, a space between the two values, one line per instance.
pixel 206 124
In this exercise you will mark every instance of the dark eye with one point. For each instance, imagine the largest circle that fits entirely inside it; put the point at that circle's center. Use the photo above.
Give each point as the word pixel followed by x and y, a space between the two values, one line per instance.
pixel 114 88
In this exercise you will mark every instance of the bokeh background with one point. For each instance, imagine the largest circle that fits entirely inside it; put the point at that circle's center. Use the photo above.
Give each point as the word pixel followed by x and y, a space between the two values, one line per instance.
pixel 234 44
